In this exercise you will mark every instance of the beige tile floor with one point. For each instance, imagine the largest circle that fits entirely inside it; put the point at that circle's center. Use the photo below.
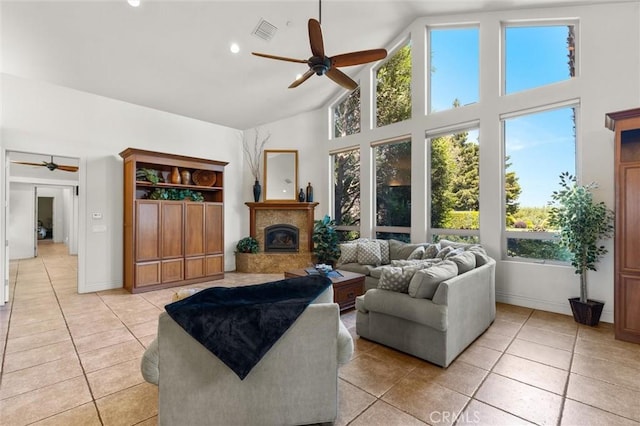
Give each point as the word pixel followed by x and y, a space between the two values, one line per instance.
pixel 71 359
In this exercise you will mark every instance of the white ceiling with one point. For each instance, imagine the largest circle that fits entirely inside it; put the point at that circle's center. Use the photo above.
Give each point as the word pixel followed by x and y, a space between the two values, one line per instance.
pixel 174 55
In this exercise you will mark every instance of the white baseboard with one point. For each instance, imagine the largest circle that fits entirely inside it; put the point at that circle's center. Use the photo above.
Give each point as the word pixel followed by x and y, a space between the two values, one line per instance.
pixel 546 305
pixel 94 287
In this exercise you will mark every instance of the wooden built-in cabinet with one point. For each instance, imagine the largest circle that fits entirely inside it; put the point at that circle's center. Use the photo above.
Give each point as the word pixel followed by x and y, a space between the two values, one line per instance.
pixel 626 125
pixel 171 242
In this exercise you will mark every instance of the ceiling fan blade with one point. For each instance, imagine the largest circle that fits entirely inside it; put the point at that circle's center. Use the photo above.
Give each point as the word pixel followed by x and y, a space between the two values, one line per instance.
pixel 315 38
pixel 67 168
pixel 341 78
pixel 26 163
pixel 357 58
pixel 280 58
pixel 302 79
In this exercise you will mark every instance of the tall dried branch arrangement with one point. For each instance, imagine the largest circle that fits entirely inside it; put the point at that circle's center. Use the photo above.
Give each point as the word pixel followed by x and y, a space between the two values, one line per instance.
pixel 253 154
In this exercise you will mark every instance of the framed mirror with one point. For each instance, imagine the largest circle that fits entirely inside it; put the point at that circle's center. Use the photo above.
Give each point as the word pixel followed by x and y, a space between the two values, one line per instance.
pixel 280 175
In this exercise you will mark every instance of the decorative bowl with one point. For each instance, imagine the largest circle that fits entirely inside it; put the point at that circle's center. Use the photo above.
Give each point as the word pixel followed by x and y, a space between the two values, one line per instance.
pixel 204 177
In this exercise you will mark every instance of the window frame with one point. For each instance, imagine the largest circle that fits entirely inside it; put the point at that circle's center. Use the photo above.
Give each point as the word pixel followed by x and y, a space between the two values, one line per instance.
pixel 429 135
pixel 332 202
pixel 375 228
pixel 533 235
pixel 536 23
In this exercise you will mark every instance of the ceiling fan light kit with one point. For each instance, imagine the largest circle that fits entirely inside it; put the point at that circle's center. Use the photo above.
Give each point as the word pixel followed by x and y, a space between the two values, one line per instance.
pixel 321 64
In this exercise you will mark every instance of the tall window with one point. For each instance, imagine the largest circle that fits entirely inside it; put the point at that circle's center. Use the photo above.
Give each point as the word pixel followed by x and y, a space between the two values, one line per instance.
pixel 393 190
pixel 538 55
pixel 346 193
pixel 455 186
pixel 393 88
pixel 538 148
pixel 454 71
pixel 346 115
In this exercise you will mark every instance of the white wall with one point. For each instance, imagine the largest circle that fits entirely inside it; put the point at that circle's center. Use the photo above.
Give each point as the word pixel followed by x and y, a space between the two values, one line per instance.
pixel 20 227
pixel 37 115
pixel 609 80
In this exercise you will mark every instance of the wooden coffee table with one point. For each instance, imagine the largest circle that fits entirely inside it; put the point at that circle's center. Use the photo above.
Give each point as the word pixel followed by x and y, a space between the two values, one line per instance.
pixel 345 288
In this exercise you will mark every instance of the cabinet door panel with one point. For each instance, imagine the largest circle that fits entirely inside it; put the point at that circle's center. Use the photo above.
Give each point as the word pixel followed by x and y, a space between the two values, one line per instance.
pixel 630 225
pixel 194 229
pixel 214 265
pixel 172 224
pixel 214 228
pixel 172 270
pixel 147 273
pixel 148 230
pixel 194 267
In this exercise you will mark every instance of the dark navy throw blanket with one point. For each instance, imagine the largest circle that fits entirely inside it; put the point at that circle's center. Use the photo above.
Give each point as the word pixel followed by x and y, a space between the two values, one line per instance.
pixel 239 325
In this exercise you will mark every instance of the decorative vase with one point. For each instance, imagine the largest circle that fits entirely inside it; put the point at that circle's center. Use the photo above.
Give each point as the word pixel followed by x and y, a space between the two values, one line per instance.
pixel 257 190
pixel 309 193
pixel 175 175
pixel 301 195
pixel 186 177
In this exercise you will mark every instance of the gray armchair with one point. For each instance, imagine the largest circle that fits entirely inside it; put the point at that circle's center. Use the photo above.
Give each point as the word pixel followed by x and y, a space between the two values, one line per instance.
pixel 295 383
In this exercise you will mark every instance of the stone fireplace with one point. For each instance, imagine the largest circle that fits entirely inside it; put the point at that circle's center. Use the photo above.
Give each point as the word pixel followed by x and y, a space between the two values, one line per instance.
pixel 284 232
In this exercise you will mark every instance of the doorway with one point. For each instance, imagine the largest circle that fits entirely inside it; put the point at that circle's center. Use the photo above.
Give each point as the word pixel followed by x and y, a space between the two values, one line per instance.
pixel 45 219
pixel 42 205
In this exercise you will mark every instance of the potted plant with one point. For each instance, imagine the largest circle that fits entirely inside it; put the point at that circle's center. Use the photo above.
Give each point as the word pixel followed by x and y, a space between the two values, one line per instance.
pixel 247 245
pixel 325 240
pixel 581 223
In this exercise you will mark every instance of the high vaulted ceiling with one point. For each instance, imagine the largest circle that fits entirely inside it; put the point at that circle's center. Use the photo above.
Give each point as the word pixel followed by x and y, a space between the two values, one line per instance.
pixel 174 55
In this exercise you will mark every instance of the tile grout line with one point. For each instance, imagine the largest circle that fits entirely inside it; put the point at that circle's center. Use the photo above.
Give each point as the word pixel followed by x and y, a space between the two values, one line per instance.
pixel 75 348
pixel 502 353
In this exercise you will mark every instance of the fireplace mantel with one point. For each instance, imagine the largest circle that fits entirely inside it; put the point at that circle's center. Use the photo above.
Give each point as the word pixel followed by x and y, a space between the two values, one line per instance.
pixel 308 207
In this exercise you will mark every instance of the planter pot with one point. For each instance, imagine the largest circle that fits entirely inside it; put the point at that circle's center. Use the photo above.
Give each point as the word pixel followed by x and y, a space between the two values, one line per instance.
pixel 586 313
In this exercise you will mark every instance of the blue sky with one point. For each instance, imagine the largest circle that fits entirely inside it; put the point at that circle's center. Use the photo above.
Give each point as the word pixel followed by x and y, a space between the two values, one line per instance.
pixel 541 145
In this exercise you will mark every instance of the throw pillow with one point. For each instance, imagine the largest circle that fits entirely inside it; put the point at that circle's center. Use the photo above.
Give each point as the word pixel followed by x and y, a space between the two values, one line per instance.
pixel 348 253
pixel 384 251
pixel 465 261
pixel 431 251
pixel 480 253
pixel 454 252
pixel 425 282
pixel 369 253
pixel 443 252
pixel 395 278
pixel 416 254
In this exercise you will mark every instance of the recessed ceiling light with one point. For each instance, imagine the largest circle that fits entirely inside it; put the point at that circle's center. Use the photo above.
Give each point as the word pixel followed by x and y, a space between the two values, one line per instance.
pixel 234 48
pixel 134 3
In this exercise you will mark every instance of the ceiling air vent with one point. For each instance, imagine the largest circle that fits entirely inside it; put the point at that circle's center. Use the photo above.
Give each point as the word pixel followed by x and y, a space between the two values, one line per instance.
pixel 265 30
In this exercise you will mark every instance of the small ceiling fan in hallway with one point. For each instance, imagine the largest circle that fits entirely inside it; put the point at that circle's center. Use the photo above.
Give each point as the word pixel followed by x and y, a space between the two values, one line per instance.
pixel 49 165
pixel 320 64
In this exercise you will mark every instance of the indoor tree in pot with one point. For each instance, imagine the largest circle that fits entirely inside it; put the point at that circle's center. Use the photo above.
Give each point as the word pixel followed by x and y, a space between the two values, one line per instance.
pixel 326 241
pixel 581 223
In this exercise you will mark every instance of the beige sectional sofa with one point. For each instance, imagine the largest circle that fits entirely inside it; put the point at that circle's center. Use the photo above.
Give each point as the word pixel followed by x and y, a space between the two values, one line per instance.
pixel 430 306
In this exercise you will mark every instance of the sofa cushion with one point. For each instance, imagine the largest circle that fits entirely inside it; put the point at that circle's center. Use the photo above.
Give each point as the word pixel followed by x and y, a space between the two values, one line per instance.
pixel 356 267
pixel 401 250
pixel 369 253
pixel 376 272
pixel 401 305
pixel 425 282
pixel 396 278
pixel 465 261
pixel 422 263
pixel 348 253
